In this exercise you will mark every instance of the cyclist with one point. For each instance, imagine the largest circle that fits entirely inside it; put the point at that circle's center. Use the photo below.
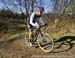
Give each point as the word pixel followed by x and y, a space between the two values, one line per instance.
pixel 34 21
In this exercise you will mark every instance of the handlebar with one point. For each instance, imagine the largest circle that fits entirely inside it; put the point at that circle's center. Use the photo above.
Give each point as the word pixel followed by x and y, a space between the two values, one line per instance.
pixel 41 27
pixel 45 25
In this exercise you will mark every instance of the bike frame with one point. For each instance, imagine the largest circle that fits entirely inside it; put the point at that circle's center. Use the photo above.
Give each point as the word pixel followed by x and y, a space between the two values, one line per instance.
pixel 38 31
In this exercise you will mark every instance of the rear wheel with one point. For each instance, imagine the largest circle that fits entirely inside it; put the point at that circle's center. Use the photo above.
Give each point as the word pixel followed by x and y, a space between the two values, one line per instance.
pixel 45 42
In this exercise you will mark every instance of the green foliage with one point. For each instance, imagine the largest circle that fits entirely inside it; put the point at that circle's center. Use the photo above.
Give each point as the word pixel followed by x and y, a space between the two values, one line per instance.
pixel 11 26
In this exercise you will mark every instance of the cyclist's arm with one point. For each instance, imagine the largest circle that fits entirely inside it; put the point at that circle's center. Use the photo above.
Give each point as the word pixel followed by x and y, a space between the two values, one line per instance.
pixel 31 21
pixel 42 21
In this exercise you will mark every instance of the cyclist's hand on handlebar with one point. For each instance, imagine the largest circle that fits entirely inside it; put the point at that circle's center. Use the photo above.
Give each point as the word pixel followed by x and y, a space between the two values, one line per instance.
pixel 43 26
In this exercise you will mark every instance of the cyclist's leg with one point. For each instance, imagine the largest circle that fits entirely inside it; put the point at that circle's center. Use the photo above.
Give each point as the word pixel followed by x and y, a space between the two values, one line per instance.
pixel 30 39
pixel 30 34
pixel 31 29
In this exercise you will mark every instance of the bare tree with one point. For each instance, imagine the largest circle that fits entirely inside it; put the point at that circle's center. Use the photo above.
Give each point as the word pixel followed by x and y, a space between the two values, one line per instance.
pixel 60 6
pixel 5 3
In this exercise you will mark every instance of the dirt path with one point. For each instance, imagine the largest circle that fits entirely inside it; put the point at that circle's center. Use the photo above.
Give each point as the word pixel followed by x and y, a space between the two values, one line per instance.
pixel 17 48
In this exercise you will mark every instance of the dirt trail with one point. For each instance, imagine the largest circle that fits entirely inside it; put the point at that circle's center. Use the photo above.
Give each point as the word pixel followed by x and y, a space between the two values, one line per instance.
pixel 17 48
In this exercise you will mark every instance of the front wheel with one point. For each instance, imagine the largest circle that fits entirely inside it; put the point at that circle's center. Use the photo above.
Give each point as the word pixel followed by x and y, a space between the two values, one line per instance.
pixel 46 42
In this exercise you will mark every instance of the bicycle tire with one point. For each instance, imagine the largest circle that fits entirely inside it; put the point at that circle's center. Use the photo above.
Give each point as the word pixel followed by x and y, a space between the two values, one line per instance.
pixel 49 39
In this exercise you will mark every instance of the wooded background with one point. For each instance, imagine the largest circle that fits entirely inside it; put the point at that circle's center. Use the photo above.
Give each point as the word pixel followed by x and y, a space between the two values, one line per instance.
pixel 15 13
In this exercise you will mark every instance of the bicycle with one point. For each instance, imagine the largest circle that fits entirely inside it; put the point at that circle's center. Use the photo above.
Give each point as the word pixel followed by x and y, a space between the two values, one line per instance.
pixel 43 40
